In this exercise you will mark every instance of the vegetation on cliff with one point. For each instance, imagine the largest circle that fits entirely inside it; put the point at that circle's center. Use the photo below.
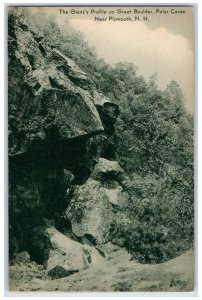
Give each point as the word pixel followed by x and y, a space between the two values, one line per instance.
pixel 154 142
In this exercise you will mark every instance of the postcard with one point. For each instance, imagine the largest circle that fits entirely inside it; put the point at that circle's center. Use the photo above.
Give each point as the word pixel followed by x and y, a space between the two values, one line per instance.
pixel 101 154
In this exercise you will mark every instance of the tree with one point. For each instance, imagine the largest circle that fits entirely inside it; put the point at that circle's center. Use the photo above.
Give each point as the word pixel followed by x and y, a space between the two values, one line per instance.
pixel 154 146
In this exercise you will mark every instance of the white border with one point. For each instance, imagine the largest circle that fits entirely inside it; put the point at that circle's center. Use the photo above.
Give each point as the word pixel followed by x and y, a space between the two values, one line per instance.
pixel 3 147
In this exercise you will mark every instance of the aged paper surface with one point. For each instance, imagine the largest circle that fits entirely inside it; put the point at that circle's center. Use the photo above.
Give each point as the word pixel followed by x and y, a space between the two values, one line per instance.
pixel 100 113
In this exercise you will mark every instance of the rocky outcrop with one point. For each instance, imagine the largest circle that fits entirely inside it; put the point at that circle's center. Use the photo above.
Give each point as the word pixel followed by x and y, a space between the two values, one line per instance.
pixel 93 209
pixel 117 197
pixel 66 190
pixel 23 269
pixel 54 117
pixel 49 96
pixel 107 170
pixel 89 212
pixel 108 111
pixel 70 255
pixel 55 252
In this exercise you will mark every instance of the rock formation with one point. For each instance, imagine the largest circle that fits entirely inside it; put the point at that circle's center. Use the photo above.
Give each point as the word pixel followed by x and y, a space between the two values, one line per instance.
pixel 66 189
pixel 93 209
pixel 69 254
pixel 58 127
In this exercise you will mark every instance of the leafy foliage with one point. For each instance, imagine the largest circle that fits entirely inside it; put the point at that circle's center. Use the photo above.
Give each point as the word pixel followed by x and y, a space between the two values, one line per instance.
pixel 154 137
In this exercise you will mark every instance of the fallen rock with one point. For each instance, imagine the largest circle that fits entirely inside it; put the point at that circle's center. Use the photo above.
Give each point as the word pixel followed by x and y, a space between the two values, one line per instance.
pixel 59 272
pixel 107 170
pixel 21 258
pixel 90 212
pixel 93 209
pixel 117 197
pixel 70 255
pixel 23 269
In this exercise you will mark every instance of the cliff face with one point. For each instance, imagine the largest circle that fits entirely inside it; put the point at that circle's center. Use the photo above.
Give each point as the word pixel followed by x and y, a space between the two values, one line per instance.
pixel 53 118
pixel 49 96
